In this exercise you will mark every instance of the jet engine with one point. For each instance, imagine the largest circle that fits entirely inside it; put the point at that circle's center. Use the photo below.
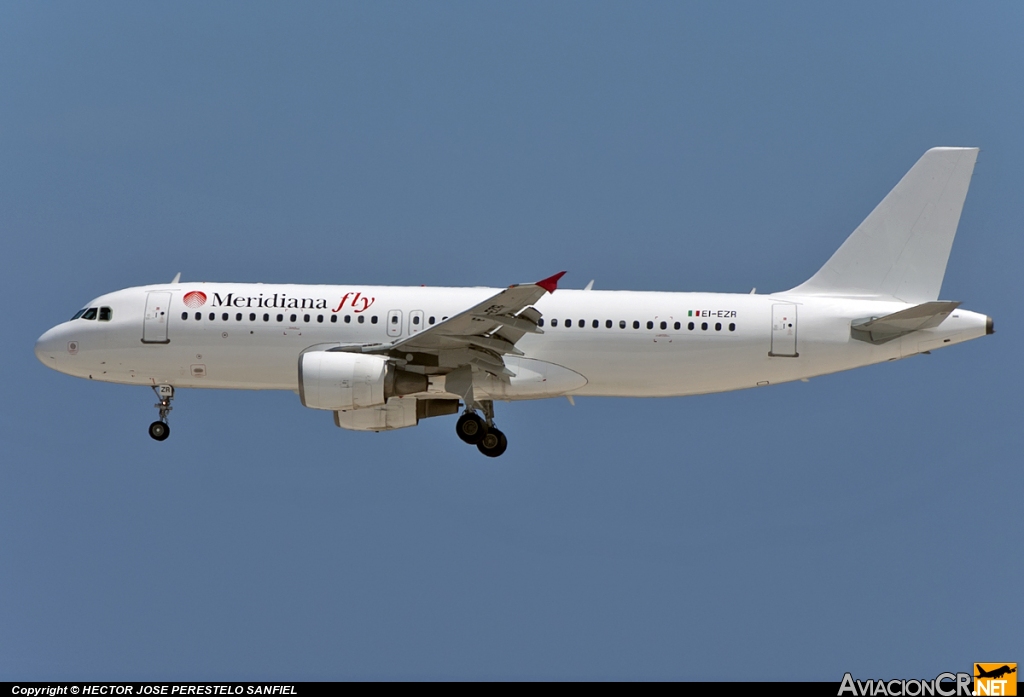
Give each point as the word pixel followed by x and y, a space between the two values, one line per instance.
pixel 340 381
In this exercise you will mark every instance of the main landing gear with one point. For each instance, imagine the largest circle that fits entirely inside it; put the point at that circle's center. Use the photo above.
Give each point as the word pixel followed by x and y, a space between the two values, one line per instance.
pixel 481 432
pixel 159 430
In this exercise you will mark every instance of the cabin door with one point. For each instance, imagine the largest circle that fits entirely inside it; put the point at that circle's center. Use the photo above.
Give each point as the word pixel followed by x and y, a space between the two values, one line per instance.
pixel 784 331
pixel 154 324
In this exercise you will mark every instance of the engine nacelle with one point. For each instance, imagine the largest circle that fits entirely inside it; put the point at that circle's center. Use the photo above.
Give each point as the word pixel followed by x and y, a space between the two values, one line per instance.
pixel 340 381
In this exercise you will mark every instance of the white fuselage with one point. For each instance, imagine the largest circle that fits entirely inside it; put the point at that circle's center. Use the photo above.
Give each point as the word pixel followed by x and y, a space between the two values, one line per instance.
pixel 250 336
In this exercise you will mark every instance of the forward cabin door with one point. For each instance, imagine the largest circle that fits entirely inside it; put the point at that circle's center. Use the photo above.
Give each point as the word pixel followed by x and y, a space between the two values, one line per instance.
pixel 394 323
pixel 784 331
pixel 154 324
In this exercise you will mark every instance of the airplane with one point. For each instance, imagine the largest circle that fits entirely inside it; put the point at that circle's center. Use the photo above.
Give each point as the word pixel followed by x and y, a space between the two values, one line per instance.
pixel 382 358
pixel 995 673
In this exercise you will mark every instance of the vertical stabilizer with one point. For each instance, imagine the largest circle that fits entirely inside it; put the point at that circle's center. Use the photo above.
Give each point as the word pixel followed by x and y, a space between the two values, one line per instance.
pixel 900 250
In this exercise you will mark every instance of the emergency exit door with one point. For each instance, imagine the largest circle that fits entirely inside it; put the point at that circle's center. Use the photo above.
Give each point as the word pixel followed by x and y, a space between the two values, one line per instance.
pixel 154 324
pixel 394 323
pixel 784 331
pixel 416 321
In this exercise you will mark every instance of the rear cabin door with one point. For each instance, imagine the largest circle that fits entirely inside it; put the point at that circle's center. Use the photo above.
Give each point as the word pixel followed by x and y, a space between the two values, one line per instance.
pixel 784 331
pixel 416 321
pixel 394 323
pixel 154 324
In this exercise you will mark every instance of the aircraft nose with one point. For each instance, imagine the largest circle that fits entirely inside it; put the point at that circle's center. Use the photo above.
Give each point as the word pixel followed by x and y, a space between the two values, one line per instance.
pixel 47 347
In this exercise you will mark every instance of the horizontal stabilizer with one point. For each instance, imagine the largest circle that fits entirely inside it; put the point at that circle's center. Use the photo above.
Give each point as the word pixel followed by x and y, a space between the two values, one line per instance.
pixel 878 330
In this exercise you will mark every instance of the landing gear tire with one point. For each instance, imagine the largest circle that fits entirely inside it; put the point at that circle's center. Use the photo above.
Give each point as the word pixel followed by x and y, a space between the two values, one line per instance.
pixel 470 428
pixel 158 430
pixel 493 443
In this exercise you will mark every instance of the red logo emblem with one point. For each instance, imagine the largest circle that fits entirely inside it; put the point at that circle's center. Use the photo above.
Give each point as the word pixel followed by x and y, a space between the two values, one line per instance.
pixel 196 298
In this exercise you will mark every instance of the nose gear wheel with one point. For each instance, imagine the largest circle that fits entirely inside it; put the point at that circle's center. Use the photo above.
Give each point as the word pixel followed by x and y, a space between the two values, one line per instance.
pixel 159 430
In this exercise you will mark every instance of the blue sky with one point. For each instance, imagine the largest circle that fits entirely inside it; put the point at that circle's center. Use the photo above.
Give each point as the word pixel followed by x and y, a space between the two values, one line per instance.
pixel 860 522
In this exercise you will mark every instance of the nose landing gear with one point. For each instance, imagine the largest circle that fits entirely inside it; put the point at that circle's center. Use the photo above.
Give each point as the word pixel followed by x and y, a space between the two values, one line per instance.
pixel 481 432
pixel 159 430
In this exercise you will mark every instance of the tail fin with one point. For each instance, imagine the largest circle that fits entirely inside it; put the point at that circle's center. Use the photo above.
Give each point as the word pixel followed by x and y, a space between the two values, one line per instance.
pixel 900 250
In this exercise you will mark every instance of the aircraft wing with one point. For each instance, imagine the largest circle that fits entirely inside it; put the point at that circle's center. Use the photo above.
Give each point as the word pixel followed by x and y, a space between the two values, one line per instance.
pixel 482 334
pixel 878 330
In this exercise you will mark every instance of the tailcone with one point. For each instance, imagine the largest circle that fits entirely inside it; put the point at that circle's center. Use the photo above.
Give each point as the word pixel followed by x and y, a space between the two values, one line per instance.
pixel 990 326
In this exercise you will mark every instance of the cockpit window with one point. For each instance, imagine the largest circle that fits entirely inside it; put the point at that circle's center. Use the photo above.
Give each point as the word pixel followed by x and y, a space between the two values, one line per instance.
pixel 90 313
pixel 80 313
pixel 105 314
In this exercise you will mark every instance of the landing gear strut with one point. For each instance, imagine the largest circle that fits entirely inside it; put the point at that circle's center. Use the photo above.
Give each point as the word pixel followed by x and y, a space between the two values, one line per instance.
pixel 482 432
pixel 159 430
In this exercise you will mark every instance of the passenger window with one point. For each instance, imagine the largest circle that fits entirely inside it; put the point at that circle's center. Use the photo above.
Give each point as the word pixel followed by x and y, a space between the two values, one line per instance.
pixel 280 318
pixel 238 317
pixel 361 319
pixel 305 318
pixel 540 322
pixel 252 316
pixel 373 320
pixel 554 323
pixel 582 323
pixel 664 325
pixel 690 326
pixel 266 317
pixel 416 320
pixel 224 317
pixel 213 316
pixel 184 315
pixel 622 324
pixel 431 320
pixel 718 326
pixel 678 326
pixel 596 324
pixel 348 319
pixel 608 323
pixel 704 326
pixel 334 318
pixel 78 314
pixel 636 325
pixel 394 319
pixel 567 323
pixel 320 318
pixel 292 319
pixel 443 319
pixel 105 314
pixel 732 327
pixel 199 315
pixel 90 313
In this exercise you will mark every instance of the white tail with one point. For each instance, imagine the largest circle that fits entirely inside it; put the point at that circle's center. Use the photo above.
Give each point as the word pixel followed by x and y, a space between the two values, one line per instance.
pixel 900 250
